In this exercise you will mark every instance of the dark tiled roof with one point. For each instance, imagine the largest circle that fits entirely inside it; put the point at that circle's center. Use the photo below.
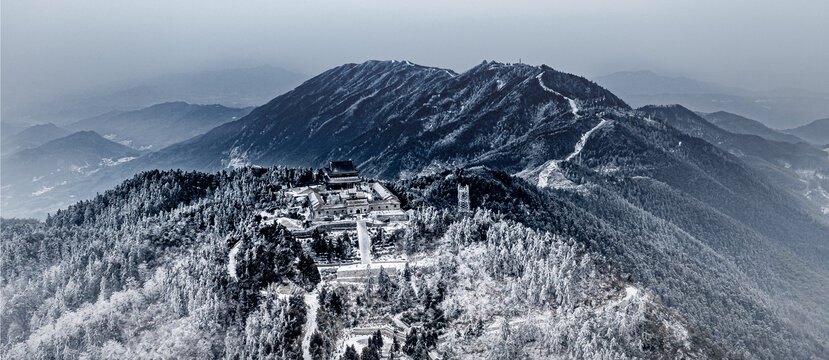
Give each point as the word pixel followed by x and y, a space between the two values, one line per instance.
pixel 342 167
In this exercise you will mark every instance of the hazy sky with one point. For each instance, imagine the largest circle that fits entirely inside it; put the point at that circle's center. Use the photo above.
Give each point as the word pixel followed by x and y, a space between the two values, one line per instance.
pixel 51 46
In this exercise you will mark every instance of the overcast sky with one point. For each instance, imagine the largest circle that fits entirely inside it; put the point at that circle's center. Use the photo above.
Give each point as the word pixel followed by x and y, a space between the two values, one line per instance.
pixel 55 46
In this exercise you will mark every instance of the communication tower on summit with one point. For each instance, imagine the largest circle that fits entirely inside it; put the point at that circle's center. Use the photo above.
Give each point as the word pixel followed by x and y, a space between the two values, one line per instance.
pixel 463 199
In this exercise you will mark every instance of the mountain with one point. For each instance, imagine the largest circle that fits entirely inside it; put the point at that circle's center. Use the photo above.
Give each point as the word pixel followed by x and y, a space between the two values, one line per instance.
pixel 816 132
pixel 31 136
pixel 240 88
pixel 397 119
pixel 31 175
pixel 712 269
pixel 125 286
pixel 202 274
pixel 8 129
pixel 800 168
pixel 742 125
pixel 562 132
pixel 710 221
pixel 160 125
pixel 645 82
pixel 779 108
pixel 404 117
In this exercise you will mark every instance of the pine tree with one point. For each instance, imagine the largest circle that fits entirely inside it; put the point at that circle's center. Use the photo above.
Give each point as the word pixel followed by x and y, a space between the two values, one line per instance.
pixel 378 339
pixel 407 273
pixel 384 285
pixel 395 345
pixel 370 353
pixel 350 354
pixel 411 342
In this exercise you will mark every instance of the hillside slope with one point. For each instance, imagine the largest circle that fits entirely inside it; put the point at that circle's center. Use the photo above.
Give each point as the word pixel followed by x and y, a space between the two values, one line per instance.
pixel 719 225
pixel 160 125
pixel 710 268
pixel 110 286
pixel 29 176
pixel 816 132
pixel 779 108
pixel 741 125
pixel 31 137
pixel 800 169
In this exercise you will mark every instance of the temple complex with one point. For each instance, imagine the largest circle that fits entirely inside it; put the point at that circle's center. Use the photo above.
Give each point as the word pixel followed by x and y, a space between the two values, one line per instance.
pixel 346 196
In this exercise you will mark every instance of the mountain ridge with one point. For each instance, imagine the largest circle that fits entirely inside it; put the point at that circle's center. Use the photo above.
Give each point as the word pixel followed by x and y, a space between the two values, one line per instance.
pixel 232 87
pixel 32 136
pixel 422 112
pixel 159 125
pixel 30 176
pixel 777 108
pixel 644 187
pixel 743 125
pixel 816 131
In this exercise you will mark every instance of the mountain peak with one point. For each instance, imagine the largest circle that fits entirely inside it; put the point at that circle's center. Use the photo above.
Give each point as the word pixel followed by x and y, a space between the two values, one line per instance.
pixel 169 104
pixel 79 142
pixel 816 132
pixel 85 135
pixel 388 65
pixel 742 125
pixel 668 107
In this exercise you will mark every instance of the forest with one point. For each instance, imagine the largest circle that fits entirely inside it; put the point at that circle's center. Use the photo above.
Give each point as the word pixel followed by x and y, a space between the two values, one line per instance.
pixel 142 271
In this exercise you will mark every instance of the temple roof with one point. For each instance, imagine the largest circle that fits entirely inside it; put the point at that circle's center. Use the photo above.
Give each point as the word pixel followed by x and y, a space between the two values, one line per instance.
pixel 344 167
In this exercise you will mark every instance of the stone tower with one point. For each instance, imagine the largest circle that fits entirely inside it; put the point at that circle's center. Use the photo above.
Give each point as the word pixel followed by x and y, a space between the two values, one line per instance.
pixel 463 199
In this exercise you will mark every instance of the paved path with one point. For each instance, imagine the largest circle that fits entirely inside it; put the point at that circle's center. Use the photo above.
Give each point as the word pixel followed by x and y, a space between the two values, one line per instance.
pixel 311 301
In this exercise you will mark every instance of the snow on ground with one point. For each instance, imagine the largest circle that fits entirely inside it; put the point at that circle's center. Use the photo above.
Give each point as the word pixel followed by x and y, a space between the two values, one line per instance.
pixel 358 337
pixel 573 106
pixel 583 140
pixel 110 162
pixel 630 292
pixel 237 159
pixel 376 265
pixel 291 224
pixel 43 190
pixel 550 174
pixel 269 218
pixel 351 109
pixel 358 341
pixel 312 301
pixel 231 260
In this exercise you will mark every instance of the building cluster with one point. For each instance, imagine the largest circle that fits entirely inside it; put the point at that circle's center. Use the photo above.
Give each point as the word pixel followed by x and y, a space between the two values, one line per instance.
pixel 344 196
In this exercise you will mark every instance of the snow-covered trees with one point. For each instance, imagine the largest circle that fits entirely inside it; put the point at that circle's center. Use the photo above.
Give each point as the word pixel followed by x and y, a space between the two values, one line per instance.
pixel 273 330
pixel 542 295
pixel 141 272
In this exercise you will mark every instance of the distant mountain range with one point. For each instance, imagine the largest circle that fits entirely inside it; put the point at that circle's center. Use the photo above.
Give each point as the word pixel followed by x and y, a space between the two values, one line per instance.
pixel 239 88
pixel 45 158
pixel 71 162
pixel 800 168
pixel 160 125
pixel 816 131
pixel 780 108
pixel 741 125
pixel 9 129
pixel 31 137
